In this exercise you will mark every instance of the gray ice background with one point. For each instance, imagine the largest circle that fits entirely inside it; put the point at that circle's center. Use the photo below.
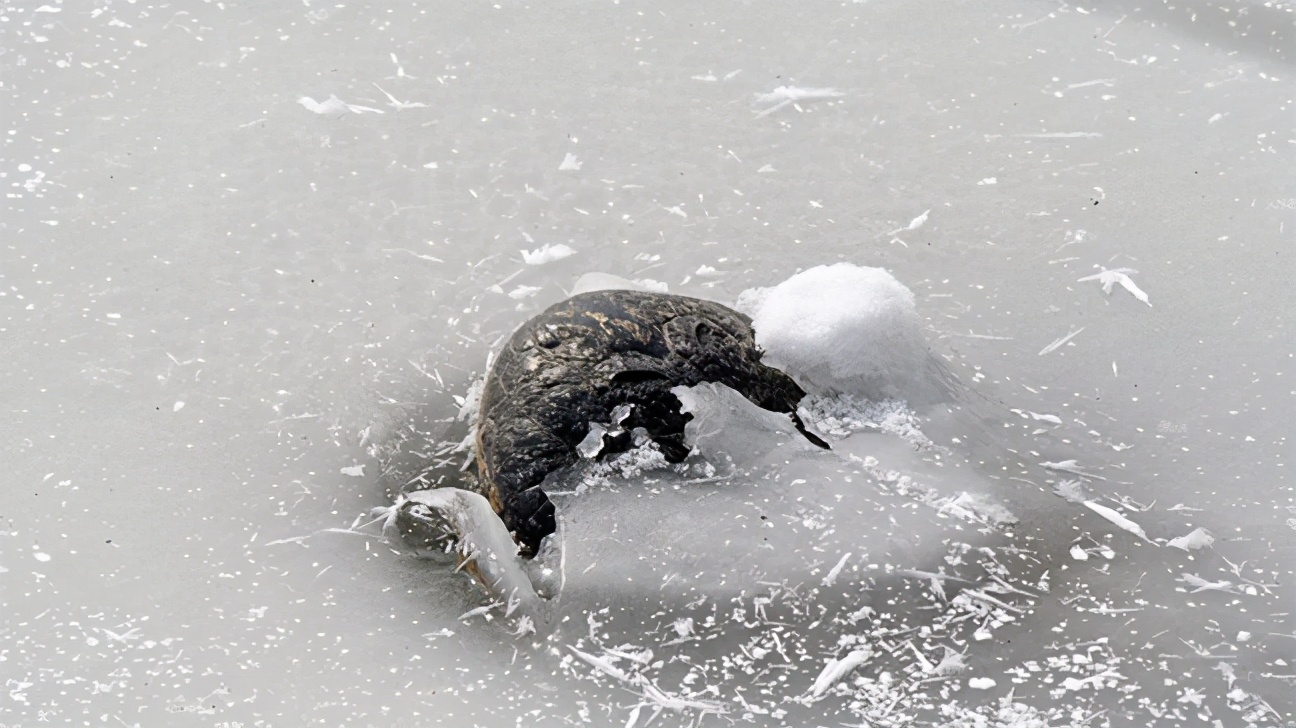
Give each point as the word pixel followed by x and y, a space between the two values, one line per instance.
pixel 227 322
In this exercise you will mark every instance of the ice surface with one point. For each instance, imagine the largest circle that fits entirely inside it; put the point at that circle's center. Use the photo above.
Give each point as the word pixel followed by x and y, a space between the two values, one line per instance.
pixel 727 424
pixel 607 281
pixel 846 329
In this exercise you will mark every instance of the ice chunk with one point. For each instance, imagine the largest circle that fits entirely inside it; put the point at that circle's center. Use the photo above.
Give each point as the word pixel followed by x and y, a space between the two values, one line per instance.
pixel 1198 538
pixel 334 105
pixel 846 329
pixel 592 445
pixel 725 422
pixel 608 282
pixel 547 254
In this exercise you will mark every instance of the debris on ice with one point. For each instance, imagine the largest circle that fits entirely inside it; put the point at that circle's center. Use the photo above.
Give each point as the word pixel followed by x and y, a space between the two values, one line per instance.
pixel 521 292
pixel 1118 519
pixel 835 571
pixel 1199 584
pixel 844 414
pixel 1074 491
pixel 1070 466
pixel 547 254
pixel 914 224
pixel 787 95
pixel 393 102
pixel 1198 538
pixel 334 105
pixel 797 93
pixel 570 163
pixel 1110 278
pixel 1059 342
pixel 836 669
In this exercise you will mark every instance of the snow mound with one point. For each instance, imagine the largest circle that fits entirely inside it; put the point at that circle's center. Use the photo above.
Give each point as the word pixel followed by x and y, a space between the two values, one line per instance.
pixel 846 329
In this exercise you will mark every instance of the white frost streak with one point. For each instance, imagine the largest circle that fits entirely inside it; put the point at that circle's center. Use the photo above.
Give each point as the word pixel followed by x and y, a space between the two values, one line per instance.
pixel 797 93
pixel 836 570
pixel 1056 344
pixel 835 670
pixel 1118 519
pixel 787 95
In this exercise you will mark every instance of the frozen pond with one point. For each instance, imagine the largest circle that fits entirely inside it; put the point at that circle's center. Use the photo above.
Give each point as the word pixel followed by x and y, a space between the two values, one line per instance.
pixel 253 256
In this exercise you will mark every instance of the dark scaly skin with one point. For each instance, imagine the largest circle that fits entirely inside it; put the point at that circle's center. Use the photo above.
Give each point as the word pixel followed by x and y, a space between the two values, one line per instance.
pixel 576 361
